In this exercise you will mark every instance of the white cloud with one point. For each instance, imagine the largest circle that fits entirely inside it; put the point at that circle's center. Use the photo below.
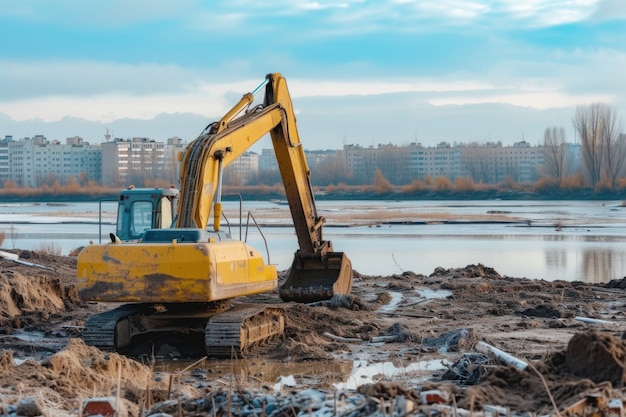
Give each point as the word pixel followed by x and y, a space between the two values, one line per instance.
pixel 312 88
pixel 537 100
pixel 610 10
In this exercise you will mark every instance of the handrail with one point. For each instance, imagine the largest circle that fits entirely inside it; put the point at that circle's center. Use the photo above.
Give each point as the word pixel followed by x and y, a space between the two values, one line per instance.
pixel 240 214
pixel 267 250
pixel 100 215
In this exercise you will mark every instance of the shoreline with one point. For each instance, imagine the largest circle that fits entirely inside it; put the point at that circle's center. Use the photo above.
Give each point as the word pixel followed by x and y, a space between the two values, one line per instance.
pixel 583 194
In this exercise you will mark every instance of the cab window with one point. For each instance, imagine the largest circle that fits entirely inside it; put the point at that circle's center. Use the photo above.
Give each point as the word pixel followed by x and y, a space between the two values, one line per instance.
pixel 140 218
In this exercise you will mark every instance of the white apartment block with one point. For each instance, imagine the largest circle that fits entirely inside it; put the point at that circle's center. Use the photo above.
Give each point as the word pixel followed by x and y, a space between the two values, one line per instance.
pixel 493 162
pixel 486 163
pixel 129 161
pixel 75 160
pixel 32 162
pixel 442 160
pixel 242 169
pixel 5 167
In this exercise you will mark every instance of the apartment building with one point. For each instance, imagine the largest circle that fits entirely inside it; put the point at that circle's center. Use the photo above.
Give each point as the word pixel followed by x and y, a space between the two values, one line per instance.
pixel 121 162
pixel 441 160
pixel 75 160
pixel 492 162
pixel 36 161
pixel 242 169
pixel 5 167
pixel 486 163
pixel 137 160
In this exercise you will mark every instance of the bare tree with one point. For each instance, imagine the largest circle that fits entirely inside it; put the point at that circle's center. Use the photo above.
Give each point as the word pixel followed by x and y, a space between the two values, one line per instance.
pixel 614 143
pixel 602 146
pixel 555 152
pixel 476 163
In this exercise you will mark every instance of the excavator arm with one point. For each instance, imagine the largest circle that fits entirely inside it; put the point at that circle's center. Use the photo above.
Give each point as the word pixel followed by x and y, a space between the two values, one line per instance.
pixel 317 272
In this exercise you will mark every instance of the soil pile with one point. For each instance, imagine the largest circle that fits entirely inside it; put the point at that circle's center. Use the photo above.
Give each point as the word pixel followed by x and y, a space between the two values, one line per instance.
pixel 65 379
pixel 592 364
pixel 36 288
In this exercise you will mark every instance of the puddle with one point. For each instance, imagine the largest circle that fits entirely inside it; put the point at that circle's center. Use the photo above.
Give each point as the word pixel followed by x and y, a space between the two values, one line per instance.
pixel 340 375
pixel 396 297
pixel 265 371
pixel 424 294
pixel 31 336
pixel 429 294
pixel 362 373
pixel 19 361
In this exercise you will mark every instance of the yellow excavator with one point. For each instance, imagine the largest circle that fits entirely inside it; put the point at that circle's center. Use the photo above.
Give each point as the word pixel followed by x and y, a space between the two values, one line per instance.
pixel 185 277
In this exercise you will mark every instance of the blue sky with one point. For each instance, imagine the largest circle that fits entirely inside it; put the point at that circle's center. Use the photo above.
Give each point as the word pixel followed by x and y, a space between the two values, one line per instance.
pixel 359 72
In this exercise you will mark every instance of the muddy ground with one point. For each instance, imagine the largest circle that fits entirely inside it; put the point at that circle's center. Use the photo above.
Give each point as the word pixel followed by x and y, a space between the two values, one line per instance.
pixel 419 332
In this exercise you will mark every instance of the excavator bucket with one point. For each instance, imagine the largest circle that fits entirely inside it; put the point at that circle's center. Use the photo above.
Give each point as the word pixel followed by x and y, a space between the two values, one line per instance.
pixel 316 279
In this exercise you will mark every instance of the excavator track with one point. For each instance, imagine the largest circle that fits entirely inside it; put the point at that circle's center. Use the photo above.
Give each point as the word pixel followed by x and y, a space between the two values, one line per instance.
pixel 236 331
pixel 228 332
pixel 100 328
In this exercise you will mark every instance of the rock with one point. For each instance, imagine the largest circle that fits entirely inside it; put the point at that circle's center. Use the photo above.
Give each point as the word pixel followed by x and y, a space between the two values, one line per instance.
pixel 29 407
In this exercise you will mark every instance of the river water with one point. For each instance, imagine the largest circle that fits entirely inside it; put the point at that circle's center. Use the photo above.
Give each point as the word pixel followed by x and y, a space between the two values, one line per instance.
pixel 550 240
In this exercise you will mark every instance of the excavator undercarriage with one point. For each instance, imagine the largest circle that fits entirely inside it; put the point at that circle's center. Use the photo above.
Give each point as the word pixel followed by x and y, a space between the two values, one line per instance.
pixel 228 331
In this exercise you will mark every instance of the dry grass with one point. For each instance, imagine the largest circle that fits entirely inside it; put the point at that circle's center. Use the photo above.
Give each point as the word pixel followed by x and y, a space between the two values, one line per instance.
pixel 49 248
pixel 2 236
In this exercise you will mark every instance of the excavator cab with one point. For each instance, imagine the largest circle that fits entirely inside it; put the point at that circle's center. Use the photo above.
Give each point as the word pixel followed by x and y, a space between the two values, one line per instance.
pixel 141 209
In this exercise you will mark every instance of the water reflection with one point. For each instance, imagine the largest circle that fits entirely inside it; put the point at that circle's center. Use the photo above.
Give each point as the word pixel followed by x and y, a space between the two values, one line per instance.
pixel 331 372
pixel 597 265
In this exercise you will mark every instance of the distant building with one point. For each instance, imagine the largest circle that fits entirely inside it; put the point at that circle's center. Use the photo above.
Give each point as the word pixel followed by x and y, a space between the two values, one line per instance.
pixel 485 163
pixel 36 161
pixel 242 169
pixel 129 161
pixel 442 160
pixel 5 163
pixel 267 160
pixel 492 162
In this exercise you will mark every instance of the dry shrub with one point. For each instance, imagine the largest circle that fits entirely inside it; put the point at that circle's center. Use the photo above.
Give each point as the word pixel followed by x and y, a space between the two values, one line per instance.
pixel 415 185
pixel 603 185
pixel 255 189
pixel 381 184
pixel 49 248
pixel 2 236
pixel 339 188
pixel 572 182
pixel 620 184
pixel 443 184
pixel 509 183
pixel 428 180
pixel 546 184
pixel 466 184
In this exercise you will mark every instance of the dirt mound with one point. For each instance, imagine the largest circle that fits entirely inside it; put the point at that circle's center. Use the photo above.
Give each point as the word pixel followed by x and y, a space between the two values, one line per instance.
pixel 29 300
pixel 36 283
pixel 593 362
pixel 76 373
